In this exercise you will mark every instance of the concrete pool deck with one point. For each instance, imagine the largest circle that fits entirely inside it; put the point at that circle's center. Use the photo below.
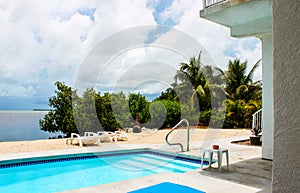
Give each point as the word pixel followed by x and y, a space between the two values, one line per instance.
pixel 247 172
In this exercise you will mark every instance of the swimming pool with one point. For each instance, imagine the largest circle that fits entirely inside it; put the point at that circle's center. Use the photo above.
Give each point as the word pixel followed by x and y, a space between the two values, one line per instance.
pixel 53 174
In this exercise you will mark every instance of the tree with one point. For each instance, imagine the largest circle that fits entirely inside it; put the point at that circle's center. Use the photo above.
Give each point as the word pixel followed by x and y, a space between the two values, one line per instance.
pixel 60 117
pixel 243 95
pixel 120 107
pixel 173 110
pixel 238 84
pixel 168 94
pixel 194 80
pixel 138 104
pixel 85 114
pixel 105 112
pixel 158 115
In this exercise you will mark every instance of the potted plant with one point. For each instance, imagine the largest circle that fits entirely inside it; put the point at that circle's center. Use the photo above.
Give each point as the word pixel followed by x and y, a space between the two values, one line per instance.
pixel 255 138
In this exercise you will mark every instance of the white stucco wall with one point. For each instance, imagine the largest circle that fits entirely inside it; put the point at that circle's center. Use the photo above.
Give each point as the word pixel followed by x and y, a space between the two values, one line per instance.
pixel 286 31
pixel 268 102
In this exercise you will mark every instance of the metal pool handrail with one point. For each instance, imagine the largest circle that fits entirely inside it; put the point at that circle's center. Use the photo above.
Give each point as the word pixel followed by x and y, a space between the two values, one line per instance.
pixel 188 135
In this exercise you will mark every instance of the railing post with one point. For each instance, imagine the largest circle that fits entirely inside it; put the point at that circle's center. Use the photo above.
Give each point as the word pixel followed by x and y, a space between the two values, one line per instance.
pixel 188 136
pixel 257 119
pixel 204 4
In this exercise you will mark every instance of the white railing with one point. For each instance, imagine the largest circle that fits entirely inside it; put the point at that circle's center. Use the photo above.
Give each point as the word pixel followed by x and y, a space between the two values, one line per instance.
pixel 257 120
pixel 207 3
pixel 188 134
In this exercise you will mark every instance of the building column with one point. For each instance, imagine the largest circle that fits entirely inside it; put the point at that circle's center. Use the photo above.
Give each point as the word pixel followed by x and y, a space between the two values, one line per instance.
pixel 267 100
pixel 286 32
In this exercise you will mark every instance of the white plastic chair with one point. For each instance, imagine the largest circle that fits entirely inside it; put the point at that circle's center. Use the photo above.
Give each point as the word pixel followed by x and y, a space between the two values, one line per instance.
pixel 89 137
pixel 106 136
pixel 121 135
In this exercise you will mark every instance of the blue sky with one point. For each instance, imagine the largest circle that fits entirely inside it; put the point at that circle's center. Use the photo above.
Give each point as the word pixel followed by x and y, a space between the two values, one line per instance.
pixel 47 41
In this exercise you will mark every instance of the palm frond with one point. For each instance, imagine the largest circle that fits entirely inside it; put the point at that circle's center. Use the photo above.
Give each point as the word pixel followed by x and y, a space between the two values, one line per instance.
pixel 241 89
pixel 250 74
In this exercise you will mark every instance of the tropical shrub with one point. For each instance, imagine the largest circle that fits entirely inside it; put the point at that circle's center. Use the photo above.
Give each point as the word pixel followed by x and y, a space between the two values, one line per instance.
pixel 204 117
pixel 217 118
pixel 173 110
pixel 158 114
pixel 191 114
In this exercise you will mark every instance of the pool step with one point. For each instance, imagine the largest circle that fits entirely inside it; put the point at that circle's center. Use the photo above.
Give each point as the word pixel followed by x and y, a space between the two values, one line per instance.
pixel 183 165
pixel 140 163
pixel 177 161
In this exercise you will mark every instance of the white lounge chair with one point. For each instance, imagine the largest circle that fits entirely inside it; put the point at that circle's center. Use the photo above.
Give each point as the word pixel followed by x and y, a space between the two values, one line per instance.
pixel 105 136
pixel 89 137
pixel 120 135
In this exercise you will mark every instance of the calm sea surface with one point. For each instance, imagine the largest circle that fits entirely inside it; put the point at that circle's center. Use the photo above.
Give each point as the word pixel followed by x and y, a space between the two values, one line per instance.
pixel 22 125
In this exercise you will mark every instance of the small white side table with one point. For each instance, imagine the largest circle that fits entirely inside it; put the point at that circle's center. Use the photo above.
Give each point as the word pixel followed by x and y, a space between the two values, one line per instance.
pixel 219 152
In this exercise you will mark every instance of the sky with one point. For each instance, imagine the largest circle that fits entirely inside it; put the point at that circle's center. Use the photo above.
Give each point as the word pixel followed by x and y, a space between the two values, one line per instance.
pixel 108 45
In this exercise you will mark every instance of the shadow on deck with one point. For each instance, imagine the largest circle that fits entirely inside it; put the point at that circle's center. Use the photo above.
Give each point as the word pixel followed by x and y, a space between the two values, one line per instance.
pixel 254 172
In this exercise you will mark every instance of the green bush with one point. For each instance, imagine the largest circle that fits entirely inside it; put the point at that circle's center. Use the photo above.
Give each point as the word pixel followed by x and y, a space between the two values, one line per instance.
pixel 217 118
pixel 173 109
pixel 158 114
pixel 204 117
pixel 228 122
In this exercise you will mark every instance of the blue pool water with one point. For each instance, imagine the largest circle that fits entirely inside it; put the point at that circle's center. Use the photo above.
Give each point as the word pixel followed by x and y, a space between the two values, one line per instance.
pixel 73 174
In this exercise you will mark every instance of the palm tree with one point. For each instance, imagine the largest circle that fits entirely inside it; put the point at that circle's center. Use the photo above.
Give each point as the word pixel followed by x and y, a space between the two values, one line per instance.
pixel 193 77
pixel 243 95
pixel 238 84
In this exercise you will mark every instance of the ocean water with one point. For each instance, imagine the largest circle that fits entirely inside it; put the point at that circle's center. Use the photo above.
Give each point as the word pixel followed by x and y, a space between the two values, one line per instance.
pixel 22 125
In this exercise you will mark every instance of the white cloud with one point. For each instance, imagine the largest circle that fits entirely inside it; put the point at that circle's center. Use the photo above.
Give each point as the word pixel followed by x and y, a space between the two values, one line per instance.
pixel 177 8
pixel 46 41
pixel 216 38
pixel 140 66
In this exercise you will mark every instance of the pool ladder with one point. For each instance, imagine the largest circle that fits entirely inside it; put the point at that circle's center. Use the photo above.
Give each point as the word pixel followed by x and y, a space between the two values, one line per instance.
pixel 188 135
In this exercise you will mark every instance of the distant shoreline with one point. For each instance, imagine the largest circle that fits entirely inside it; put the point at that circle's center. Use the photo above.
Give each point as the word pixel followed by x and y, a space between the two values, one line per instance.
pixel 41 109
pixel 24 111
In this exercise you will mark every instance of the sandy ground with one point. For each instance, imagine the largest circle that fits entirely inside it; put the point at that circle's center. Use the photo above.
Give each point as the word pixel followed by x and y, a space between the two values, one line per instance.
pixel 157 137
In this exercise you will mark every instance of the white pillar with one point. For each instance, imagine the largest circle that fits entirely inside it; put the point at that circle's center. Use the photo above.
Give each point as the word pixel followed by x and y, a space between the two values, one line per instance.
pixel 268 99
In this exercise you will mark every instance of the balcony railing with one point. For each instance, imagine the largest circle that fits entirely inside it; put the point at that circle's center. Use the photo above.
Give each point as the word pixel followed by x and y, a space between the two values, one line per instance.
pixel 208 3
pixel 257 120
